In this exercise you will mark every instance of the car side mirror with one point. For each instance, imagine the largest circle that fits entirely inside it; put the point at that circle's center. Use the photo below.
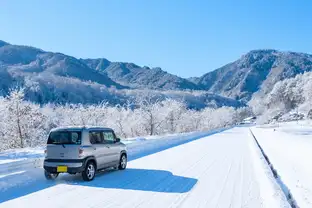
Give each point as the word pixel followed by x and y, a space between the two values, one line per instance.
pixel 117 139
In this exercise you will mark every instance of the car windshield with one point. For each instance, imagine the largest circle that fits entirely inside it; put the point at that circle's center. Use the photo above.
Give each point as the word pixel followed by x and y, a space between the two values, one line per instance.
pixel 64 137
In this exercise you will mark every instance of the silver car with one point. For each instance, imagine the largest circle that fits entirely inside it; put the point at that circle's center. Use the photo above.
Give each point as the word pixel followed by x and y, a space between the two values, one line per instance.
pixel 83 150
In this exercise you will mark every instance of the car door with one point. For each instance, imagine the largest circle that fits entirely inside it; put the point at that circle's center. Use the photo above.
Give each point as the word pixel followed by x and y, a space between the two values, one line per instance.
pixel 100 148
pixel 114 149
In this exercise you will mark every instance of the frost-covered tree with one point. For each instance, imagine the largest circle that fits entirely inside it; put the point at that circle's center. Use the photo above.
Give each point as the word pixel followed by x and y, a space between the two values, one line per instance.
pixel 172 111
pixel 151 115
pixel 286 96
pixel 23 121
pixel 24 124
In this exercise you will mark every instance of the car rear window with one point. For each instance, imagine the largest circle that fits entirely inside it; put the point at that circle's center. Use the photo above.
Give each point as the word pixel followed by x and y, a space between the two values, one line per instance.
pixel 64 137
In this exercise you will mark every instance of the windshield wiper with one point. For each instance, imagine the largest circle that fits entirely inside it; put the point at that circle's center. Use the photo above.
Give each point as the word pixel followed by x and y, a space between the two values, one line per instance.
pixel 63 145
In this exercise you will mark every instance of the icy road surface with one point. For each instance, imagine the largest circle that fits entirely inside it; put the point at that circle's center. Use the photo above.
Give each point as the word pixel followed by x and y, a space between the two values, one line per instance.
pixel 221 170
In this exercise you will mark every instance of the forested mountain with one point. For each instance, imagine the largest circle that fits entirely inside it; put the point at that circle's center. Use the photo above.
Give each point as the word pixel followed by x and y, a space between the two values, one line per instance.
pixel 258 70
pixel 56 77
pixel 134 76
pixel 23 61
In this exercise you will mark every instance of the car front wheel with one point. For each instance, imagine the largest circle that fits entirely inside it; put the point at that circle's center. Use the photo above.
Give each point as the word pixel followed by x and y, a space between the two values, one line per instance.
pixel 89 171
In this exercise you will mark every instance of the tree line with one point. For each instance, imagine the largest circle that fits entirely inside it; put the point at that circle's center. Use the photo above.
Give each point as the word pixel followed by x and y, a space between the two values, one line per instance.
pixel 27 124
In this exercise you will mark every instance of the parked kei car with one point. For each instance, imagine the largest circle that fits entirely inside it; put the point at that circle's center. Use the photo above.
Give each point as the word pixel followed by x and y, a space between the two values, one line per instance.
pixel 83 150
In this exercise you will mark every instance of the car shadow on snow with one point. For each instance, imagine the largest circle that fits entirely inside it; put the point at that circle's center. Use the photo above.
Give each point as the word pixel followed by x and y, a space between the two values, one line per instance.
pixel 129 179
pixel 139 179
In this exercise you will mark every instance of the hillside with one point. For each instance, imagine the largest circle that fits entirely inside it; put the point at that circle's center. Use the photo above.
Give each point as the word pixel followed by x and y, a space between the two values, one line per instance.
pixel 258 70
pixel 56 77
pixel 59 78
pixel 134 76
pixel 24 61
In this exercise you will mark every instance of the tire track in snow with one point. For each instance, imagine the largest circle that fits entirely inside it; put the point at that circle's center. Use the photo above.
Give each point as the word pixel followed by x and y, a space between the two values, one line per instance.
pixel 217 165
pixel 239 173
pixel 171 182
pixel 224 183
pixel 242 179
pixel 157 186
pixel 179 202
pixel 248 181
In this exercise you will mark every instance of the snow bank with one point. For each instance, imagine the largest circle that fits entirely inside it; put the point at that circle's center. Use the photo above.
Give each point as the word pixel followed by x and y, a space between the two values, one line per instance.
pixel 289 149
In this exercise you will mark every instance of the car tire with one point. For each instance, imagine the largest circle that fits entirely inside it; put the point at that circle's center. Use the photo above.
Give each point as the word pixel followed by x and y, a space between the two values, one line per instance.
pixel 88 173
pixel 122 162
pixel 50 176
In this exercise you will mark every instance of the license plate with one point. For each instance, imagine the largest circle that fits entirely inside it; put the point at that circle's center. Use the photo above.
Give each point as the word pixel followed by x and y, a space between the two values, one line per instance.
pixel 61 169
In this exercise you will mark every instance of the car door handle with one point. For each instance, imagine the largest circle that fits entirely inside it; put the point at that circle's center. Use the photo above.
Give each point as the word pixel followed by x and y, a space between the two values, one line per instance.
pixel 108 147
pixel 94 148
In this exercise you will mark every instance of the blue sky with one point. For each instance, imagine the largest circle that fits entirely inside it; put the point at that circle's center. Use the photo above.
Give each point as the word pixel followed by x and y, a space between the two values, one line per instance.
pixel 183 37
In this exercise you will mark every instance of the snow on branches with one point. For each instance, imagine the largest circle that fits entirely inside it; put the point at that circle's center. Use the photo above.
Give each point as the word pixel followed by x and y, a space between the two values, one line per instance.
pixel 25 124
pixel 294 94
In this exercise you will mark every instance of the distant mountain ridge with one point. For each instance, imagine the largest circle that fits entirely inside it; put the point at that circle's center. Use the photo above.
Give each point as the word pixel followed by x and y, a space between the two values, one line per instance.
pixel 134 76
pixel 56 77
pixel 25 60
pixel 256 71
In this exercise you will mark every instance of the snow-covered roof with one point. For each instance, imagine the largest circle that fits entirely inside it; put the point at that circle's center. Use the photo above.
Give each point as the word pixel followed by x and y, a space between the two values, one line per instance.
pixel 79 128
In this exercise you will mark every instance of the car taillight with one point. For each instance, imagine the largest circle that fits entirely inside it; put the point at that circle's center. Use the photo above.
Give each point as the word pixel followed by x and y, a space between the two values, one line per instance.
pixel 80 151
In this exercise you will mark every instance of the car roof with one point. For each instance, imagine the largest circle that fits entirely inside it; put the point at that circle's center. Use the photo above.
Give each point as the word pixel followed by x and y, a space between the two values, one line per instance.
pixel 80 128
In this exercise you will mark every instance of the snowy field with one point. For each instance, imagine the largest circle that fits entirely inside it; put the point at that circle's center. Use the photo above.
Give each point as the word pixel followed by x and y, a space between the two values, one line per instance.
pixel 289 148
pixel 214 169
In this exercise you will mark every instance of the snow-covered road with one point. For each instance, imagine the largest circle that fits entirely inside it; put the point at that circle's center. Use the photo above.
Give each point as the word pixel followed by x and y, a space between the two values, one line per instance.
pixel 221 170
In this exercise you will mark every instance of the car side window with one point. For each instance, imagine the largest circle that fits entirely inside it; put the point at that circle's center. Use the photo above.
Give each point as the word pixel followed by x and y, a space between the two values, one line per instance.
pixel 109 137
pixel 96 137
